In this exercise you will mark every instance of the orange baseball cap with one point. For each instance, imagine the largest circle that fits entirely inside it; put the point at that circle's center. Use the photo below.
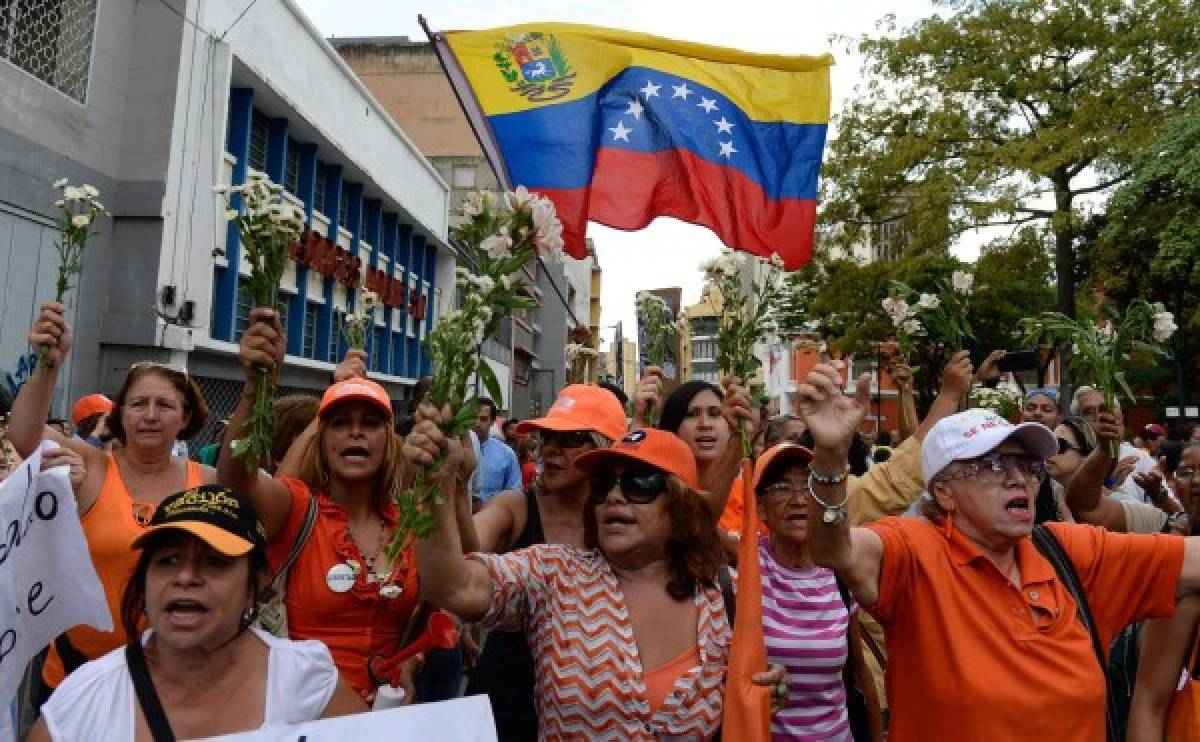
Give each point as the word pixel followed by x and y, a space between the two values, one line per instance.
pixel 582 407
pixel 658 448
pixel 779 454
pixel 356 389
pixel 91 404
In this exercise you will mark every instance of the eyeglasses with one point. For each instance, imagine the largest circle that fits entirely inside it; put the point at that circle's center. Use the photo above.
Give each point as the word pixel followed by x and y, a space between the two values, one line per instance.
pixel 782 491
pixel 159 366
pixel 1065 445
pixel 1186 473
pixel 568 439
pixel 639 486
pixel 996 468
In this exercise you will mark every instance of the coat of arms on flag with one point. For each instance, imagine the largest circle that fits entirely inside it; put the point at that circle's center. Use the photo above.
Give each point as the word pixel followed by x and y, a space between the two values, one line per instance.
pixel 534 65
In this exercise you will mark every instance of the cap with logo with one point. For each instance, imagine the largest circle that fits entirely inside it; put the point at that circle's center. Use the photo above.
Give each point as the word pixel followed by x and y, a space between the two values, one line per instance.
pixel 657 448
pixel 777 456
pixel 218 516
pixel 971 434
pixel 90 404
pixel 581 407
pixel 356 389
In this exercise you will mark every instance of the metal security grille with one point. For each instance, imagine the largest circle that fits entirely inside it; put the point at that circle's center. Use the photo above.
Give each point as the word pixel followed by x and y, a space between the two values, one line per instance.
pixel 51 40
pixel 222 398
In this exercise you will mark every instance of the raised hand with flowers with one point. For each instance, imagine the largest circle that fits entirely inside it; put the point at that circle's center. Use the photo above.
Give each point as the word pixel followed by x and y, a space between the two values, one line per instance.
pixel 268 225
pixel 579 355
pixel 499 235
pixel 1101 349
pixel 79 208
pixel 357 324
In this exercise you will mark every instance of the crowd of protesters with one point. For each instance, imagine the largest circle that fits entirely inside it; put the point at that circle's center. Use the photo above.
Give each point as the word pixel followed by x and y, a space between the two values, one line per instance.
pixel 963 577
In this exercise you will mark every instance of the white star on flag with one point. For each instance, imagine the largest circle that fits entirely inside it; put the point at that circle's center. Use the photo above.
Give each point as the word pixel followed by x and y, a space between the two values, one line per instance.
pixel 723 126
pixel 681 91
pixel 727 149
pixel 620 132
pixel 650 90
pixel 635 109
pixel 707 104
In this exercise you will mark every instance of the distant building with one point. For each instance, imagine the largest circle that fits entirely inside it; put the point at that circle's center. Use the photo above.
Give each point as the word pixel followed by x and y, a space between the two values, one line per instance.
pixel 527 351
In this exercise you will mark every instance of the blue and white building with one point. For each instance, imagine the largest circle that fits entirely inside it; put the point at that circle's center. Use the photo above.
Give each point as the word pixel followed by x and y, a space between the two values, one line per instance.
pixel 156 101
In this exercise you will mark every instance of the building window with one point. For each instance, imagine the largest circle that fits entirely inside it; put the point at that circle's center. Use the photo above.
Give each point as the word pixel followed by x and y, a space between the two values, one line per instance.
pixel 335 336
pixel 319 190
pixel 344 208
pixel 521 368
pixel 309 349
pixel 464 176
pixel 51 40
pixel 258 142
pixel 245 302
pixel 704 349
pixel 291 168
pixel 703 326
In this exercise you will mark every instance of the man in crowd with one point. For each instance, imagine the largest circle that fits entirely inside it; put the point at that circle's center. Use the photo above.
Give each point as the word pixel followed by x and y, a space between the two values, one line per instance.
pixel 498 469
pixel 1154 436
pixel 1134 465
pixel 509 429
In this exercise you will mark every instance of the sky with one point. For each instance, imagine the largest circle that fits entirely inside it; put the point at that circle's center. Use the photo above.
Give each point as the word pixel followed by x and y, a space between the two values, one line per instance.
pixel 667 252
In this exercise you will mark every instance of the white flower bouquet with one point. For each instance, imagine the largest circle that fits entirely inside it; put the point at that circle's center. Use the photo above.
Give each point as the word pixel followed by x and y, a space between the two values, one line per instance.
pixel 1004 400
pixel 1101 349
pixel 939 318
pixel 357 325
pixel 745 315
pixel 268 225
pixel 78 208
pixel 500 235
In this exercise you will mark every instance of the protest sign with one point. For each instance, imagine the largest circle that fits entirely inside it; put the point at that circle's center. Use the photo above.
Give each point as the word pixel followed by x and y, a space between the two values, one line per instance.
pixel 47 581
pixel 461 720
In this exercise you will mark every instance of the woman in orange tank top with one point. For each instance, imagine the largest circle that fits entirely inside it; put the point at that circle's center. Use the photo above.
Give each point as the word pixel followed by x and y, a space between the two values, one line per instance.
pixel 156 406
pixel 340 589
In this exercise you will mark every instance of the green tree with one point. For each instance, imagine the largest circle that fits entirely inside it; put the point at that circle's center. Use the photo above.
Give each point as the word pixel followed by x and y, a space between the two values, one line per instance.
pixel 1006 112
pixel 1149 244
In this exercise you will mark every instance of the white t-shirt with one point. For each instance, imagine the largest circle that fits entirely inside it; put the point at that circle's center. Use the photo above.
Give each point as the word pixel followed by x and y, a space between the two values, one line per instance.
pixel 1129 489
pixel 97 702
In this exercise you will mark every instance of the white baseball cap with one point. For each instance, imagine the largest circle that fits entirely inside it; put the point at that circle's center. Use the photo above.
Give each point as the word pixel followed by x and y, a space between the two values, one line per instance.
pixel 970 434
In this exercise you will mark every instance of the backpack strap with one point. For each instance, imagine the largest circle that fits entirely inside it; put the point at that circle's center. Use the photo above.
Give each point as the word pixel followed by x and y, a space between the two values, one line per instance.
pixel 72 658
pixel 143 684
pixel 278 582
pixel 726 581
pixel 1050 548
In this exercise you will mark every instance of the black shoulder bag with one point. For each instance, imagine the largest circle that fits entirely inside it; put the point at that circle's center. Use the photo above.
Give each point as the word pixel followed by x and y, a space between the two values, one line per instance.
pixel 1052 550
pixel 147 697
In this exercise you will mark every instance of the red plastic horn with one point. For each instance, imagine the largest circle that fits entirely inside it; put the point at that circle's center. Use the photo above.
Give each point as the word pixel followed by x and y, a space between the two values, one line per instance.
pixel 441 632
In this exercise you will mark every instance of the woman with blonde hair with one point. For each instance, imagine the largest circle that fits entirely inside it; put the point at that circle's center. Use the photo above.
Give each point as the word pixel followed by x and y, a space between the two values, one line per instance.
pixel 337 516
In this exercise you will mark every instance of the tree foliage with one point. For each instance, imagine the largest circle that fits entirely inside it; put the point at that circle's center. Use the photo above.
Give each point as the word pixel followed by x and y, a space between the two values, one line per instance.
pixel 1006 112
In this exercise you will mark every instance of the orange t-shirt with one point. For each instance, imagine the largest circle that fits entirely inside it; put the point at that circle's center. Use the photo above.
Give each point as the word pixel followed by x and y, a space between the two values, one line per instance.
pixel 968 660
pixel 110 527
pixel 354 624
pixel 731 516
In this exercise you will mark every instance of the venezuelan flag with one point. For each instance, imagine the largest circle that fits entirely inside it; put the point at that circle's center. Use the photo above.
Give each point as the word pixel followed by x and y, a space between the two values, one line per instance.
pixel 621 127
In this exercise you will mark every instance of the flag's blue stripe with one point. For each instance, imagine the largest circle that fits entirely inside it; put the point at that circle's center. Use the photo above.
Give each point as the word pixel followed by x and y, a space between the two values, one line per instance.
pixel 554 145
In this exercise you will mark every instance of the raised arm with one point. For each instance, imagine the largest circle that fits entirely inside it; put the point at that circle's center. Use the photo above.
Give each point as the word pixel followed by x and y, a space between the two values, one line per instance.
pixel 719 483
pixel 1085 492
pixel 496 524
pixel 856 554
pixel 901 373
pixel 262 346
pixel 1166 647
pixel 953 385
pixel 449 581
pixel 647 398
pixel 27 423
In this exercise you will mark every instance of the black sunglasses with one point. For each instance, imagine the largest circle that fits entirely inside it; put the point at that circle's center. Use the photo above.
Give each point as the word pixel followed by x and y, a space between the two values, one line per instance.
pixel 639 486
pixel 568 439
pixel 1065 445
pixel 1149 437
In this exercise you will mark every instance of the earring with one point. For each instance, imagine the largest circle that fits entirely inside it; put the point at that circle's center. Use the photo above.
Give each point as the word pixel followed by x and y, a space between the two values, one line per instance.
pixel 247 615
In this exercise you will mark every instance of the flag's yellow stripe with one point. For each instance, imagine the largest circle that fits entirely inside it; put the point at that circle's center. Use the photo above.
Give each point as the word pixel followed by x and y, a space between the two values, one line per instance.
pixel 766 87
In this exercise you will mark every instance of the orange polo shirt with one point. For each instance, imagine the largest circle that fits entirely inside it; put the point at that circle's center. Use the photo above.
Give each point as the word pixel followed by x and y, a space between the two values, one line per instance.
pixel 968 660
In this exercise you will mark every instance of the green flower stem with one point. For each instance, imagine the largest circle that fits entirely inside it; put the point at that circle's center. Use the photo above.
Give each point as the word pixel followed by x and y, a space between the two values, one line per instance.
pixel 747 443
pixel 255 448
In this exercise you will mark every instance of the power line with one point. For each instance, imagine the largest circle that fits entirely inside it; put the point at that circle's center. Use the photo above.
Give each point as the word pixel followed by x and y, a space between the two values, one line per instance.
pixel 237 20
pixel 186 20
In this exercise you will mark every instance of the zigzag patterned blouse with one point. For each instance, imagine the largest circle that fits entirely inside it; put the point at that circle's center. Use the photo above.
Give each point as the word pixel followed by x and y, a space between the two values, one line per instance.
pixel 589 676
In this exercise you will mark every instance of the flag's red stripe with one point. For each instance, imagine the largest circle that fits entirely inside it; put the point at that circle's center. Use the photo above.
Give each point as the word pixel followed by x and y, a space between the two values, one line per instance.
pixel 630 189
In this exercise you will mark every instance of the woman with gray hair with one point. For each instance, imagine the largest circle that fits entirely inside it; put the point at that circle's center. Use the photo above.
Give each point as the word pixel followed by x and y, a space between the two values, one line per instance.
pixel 983 625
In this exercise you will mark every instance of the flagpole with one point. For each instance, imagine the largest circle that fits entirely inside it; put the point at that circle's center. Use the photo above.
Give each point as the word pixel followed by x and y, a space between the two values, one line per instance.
pixel 483 133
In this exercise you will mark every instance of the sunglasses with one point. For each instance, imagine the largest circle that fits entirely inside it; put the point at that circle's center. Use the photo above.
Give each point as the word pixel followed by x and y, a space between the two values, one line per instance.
pixel 639 486
pixel 568 439
pixel 1149 436
pixel 1065 445
pixel 1051 393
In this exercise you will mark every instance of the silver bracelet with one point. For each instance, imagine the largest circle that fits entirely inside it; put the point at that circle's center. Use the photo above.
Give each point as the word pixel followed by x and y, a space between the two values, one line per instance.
pixel 834 514
pixel 835 478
